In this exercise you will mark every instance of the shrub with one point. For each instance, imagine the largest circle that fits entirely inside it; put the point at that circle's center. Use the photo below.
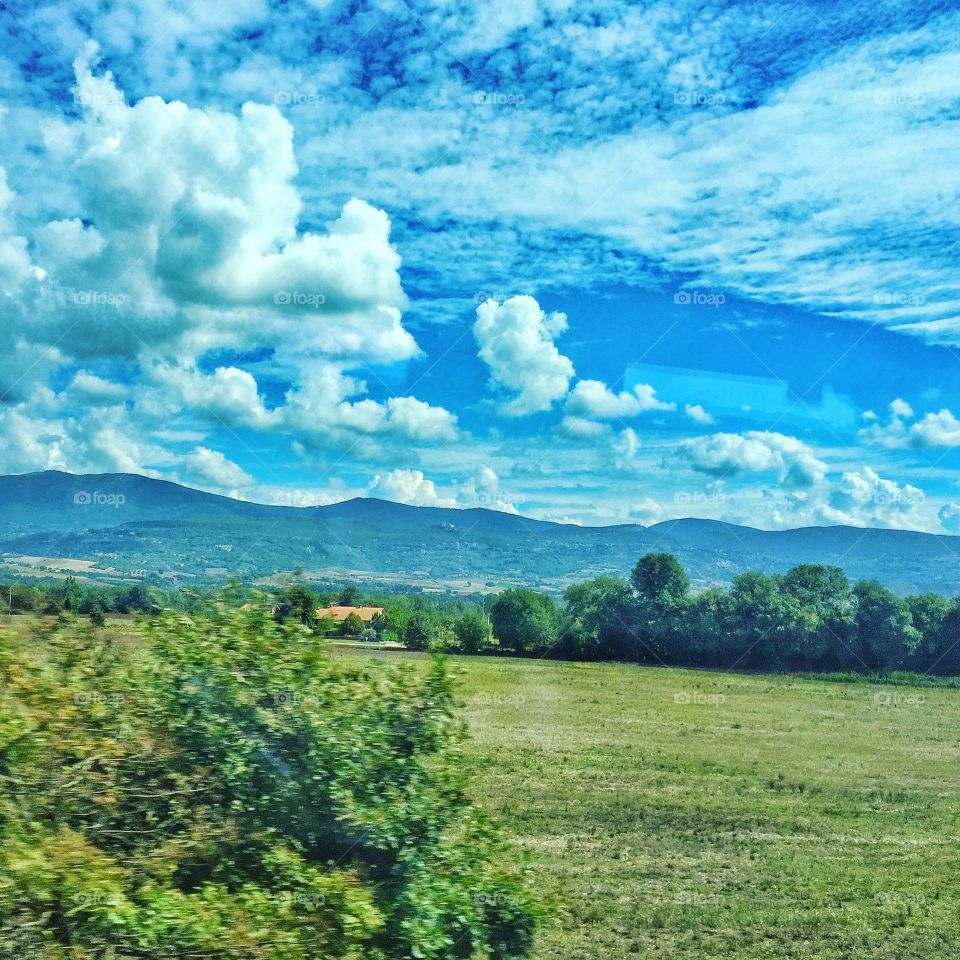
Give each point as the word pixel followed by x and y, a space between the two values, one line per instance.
pixel 220 787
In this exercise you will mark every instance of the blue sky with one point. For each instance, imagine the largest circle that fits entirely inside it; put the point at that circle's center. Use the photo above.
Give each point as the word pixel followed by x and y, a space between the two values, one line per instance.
pixel 598 263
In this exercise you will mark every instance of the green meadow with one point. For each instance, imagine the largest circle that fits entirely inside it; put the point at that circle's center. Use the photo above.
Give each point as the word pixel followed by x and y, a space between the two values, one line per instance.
pixel 674 813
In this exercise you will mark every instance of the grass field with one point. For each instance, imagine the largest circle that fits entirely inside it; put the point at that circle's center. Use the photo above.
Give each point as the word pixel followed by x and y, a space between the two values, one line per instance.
pixel 672 813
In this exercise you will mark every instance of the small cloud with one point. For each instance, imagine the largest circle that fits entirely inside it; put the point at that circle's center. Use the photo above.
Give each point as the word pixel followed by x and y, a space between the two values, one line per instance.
pixel 696 413
pixel 211 466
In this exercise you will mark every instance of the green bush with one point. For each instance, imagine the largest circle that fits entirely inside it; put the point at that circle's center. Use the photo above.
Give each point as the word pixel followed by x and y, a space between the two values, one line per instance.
pixel 222 788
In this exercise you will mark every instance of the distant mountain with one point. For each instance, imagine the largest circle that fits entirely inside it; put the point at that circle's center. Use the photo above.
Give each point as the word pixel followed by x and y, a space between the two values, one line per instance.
pixel 126 525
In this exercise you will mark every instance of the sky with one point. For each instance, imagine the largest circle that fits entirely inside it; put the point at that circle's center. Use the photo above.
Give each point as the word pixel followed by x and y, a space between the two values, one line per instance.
pixel 593 263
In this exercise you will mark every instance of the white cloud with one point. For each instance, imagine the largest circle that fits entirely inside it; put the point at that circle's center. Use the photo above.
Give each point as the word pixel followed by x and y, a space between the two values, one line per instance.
pixel 413 487
pixel 320 412
pixel 940 429
pixel 731 454
pixel 91 390
pixel 863 498
pixel 483 490
pixel 190 240
pixel 516 342
pixel 949 516
pixel 410 487
pixel 646 511
pixel 594 400
pixel 211 466
pixel 625 447
pixel 696 413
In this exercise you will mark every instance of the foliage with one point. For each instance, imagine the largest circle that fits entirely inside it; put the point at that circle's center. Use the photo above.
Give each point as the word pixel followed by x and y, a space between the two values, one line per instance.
pixel 220 787
pixel 472 632
pixel 524 621
pixel 352 625
pixel 418 631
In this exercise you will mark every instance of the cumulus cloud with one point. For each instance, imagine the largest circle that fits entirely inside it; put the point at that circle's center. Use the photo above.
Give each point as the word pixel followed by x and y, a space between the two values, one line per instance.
pixel 102 440
pixel 949 516
pixel 646 511
pixel 483 490
pixel 212 467
pixel 625 447
pixel 410 487
pixel 696 413
pixel 939 429
pixel 731 454
pixel 320 412
pixel 89 389
pixel 413 487
pixel 863 498
pixel 191 240
pixel 193 236
pixel 516 342
pixel 594 400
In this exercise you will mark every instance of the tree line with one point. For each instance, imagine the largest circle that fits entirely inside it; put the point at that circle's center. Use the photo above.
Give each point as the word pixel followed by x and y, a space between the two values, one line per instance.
pixel 808 619
pixel 811 618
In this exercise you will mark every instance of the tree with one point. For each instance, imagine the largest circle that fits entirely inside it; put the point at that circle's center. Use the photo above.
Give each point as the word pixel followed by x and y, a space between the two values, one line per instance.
pixel 72 594
pixel 380 624
pixel 136 597
pixel 352 625
pixel 600 620
pixel 298 602
pixel 660 583
pixel 524 621
pixel 883 627
pixel 418 631
pixel 760 620
pixel 706 631
pixel 945 658
pixel 824 616
pixel 349 595
pixel 661 587
pixel 472 632
pixel 928 614
pixel 96 613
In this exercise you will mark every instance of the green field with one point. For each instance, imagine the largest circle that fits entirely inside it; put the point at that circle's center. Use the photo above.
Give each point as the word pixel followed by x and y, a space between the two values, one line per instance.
pixel 676 813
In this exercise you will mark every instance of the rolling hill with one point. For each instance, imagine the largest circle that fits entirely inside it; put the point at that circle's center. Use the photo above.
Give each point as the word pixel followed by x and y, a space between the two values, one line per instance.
pixel 134 525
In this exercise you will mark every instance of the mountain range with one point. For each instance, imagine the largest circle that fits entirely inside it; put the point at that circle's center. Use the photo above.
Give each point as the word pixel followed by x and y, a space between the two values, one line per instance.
pixel 124 526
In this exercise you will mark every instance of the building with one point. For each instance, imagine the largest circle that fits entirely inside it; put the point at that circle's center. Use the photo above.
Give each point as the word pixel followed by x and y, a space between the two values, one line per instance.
pixel 339 614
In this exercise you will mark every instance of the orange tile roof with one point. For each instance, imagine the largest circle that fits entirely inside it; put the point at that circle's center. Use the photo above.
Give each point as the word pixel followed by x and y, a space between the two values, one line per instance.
pixel 339 614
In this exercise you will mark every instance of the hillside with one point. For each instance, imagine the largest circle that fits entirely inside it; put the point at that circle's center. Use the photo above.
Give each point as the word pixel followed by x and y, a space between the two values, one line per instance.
pixel 127 523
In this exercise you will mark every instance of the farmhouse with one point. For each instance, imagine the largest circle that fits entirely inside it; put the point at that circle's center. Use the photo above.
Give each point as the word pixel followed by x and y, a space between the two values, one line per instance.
pixel 339 614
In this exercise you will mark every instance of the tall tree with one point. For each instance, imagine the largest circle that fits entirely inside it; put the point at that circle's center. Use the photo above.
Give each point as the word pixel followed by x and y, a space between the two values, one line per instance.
pixel 884 628
pixel 524 621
